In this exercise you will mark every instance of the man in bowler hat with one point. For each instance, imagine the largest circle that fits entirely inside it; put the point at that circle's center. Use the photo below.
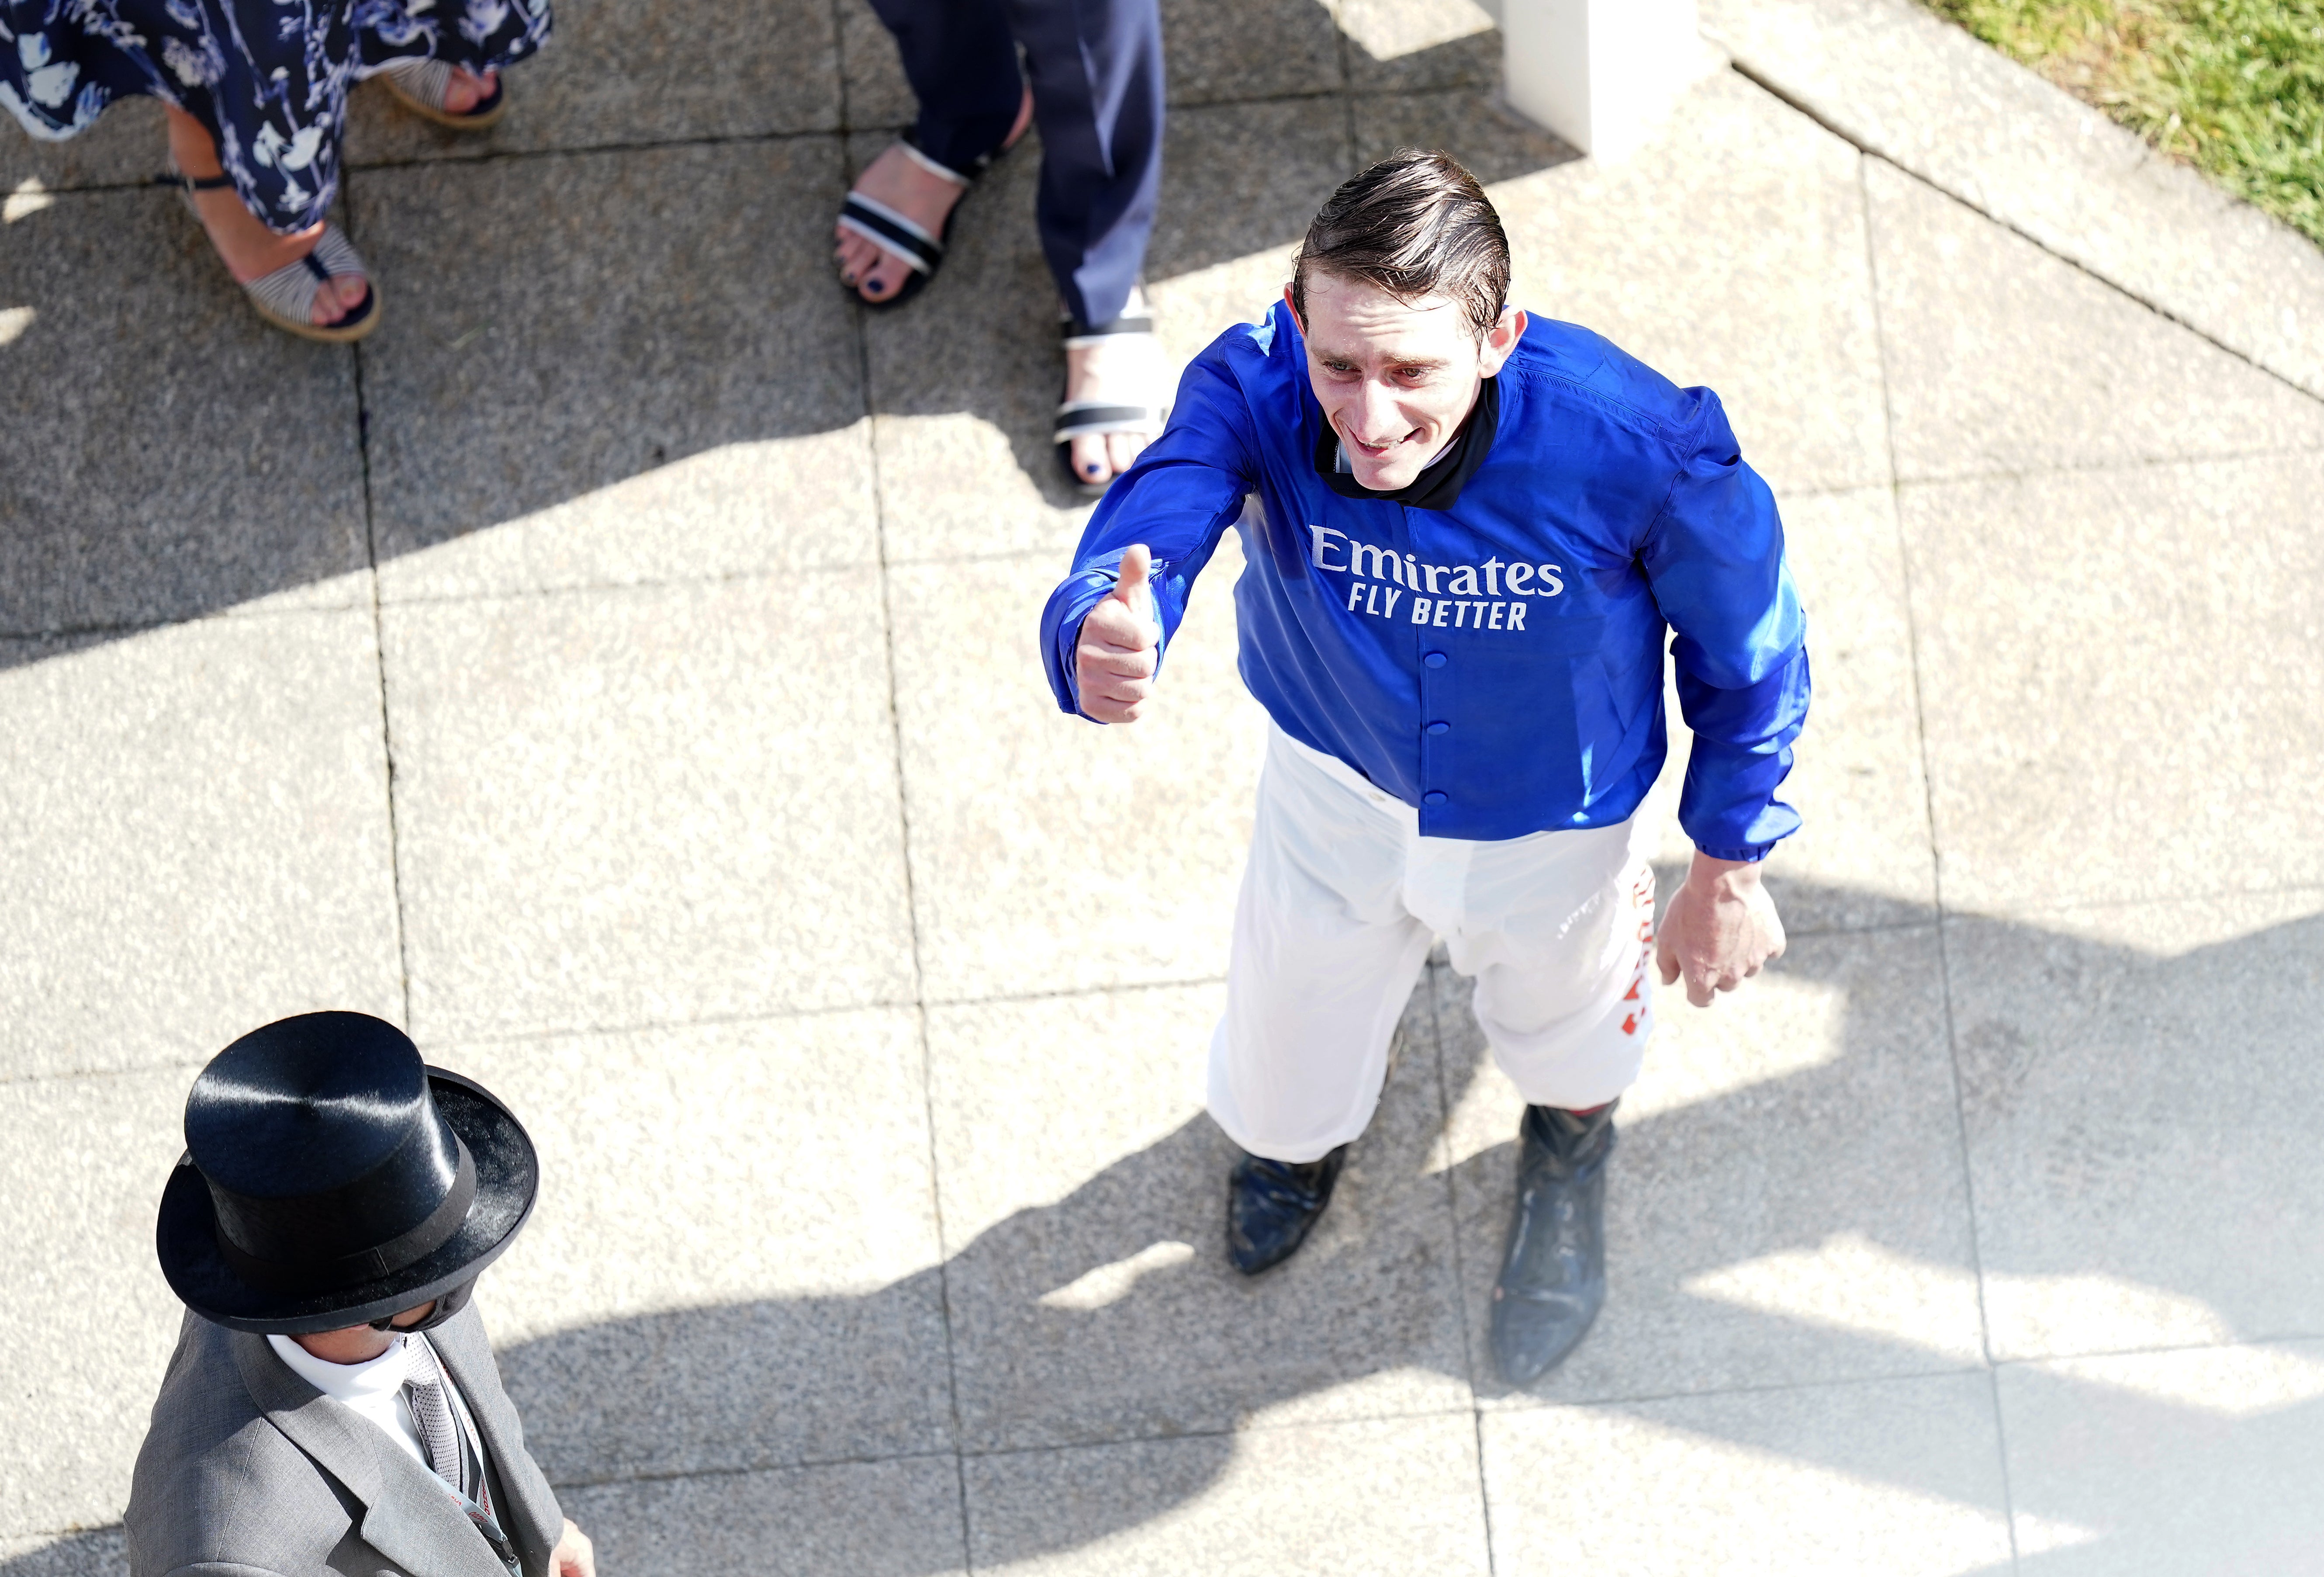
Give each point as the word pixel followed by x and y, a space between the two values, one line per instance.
pixel 333 1405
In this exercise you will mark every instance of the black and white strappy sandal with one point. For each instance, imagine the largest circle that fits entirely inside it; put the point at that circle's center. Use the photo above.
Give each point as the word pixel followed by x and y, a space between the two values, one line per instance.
pixel 424 87
pixel 901 238
pixel 1082 419
pixel 286 297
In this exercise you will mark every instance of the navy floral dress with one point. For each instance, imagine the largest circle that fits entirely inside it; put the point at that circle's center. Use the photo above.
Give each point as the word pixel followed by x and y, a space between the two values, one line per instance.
pixel 268 77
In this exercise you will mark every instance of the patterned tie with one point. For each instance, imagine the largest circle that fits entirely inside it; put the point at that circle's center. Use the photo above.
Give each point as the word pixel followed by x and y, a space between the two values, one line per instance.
pixel 423 1383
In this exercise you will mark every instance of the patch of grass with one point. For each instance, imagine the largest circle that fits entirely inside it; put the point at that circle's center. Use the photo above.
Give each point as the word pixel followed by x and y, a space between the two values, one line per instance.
pixel 2235 87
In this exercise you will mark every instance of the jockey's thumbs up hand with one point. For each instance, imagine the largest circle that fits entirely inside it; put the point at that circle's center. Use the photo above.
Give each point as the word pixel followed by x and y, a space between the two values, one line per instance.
pixel 1120 644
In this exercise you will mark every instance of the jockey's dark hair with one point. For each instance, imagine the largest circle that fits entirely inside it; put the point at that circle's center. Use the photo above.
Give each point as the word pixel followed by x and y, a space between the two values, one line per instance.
pixel 1414 224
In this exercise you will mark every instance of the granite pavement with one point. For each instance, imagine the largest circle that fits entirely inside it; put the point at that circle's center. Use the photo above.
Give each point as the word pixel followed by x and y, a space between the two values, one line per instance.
pixel 621 672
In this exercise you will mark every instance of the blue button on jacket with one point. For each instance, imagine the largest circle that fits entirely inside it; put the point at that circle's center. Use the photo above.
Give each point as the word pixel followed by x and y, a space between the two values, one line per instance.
pixel 1529 617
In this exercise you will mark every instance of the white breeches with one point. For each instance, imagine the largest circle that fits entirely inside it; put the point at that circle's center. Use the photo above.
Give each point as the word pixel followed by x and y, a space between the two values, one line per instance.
pixel 1340 901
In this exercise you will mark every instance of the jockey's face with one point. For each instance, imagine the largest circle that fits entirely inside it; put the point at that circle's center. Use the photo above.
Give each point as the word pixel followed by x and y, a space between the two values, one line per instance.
pixel 1396 378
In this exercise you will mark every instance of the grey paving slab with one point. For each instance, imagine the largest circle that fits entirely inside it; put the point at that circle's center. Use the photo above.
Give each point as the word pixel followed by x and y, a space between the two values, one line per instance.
pixel 1863 855
pixel 1411 45
pixel 1244 181
pixel 548 409
pixel 1894 1476
pixel 647 805
pixel 621 73
pixel 876 92
pixel 99 1553
pixel 1787 1201
pixel 732 1261
pixel 1730 251
pixel 1089 1293
pixel 1914 89
pixel 1270 48
pixel 1497 144
pixel 128 145
pixel 868 1519
pixel 2163 1462
pixel 197 839
pixel 964 416
pixel 83 1290
pixel 2111 665
pixel 2139 1092
pixel 1246 178
pixel 1050 854
pixel 2001 357
pixel 1384 1496
pixel 170 455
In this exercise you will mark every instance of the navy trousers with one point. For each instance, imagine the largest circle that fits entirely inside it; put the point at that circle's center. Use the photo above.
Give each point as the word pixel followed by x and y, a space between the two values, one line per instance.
pixel 1096 72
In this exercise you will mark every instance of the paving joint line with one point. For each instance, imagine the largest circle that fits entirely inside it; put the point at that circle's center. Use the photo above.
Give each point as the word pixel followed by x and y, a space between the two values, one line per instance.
pixel 2111 905
pixel 875 1459
pixel 2102 467
pixel 608 587
pixel 1523 1403
pixel 9 1079
pixel 858 314
pixel 1936 855
pixel 2163 1350
pixel 1768 84
pixel 840 132
pixel 118 629
pixel 1443 1148
pixel 1528 1403
pixel 379 665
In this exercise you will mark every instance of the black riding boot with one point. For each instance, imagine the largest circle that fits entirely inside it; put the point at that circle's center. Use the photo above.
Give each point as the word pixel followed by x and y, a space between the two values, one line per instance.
pixel 1271 1205
pixel 1554 1270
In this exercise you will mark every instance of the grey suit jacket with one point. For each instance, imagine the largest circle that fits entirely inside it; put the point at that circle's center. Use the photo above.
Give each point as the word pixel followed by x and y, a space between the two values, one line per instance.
pixel 247 1471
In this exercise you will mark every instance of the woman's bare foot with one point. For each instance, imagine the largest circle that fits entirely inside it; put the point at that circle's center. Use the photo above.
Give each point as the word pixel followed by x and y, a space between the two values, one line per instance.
pixel 1120 369
pixel 466 90
pixel 249 249
pixel 895 180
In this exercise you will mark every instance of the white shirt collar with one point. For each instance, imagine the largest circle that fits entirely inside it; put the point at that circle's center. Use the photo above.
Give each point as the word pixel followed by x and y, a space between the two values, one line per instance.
pixel 382 1376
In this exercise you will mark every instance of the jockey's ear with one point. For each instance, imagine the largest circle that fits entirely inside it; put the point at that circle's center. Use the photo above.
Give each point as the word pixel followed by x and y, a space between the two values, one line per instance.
pixel 1292 302
pixel 1501 341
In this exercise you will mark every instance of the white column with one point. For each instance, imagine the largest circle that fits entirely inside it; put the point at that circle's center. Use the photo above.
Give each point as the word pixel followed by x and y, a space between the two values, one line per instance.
pixel 1602 74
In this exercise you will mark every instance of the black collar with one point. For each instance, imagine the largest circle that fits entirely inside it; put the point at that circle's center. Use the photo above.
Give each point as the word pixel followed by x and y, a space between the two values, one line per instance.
pixel 1437 487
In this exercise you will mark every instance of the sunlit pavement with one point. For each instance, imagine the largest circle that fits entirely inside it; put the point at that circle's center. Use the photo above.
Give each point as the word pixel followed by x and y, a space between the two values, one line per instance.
pixel 621 670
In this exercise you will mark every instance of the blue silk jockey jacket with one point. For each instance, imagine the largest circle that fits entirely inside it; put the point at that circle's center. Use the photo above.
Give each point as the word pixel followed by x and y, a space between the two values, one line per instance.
pixel 1497 663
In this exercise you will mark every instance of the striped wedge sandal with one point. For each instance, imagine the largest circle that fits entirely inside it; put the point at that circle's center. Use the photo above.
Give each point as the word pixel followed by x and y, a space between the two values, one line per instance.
pixel 1133 359
pixel 286 297
pixel 424 87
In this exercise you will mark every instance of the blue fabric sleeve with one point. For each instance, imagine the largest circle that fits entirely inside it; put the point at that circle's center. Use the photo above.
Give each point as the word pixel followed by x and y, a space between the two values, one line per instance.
pixel 1186 490
pixel 1715 558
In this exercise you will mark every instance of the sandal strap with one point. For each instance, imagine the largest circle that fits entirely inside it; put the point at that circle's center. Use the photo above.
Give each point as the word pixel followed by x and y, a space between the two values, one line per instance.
pixel 1081 419
pixel 289 292
pixel 941 171
pixel 428 81
pixel 892 233
pixel 338 255
pixel 910 143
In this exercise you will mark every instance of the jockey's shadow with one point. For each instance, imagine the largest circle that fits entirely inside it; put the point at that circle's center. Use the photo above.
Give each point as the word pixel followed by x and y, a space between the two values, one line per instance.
pixel 1770 1186
pixel 1791 1157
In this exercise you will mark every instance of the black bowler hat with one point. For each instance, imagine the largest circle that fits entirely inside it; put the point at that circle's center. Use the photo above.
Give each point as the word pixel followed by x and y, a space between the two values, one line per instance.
pixel 332 1179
